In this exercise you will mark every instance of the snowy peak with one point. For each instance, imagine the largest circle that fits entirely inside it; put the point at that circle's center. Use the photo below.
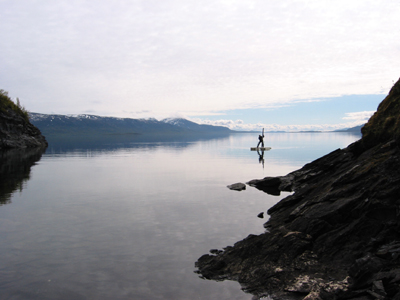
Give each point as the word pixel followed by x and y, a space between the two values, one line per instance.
pixel 181 123
pixel 192 126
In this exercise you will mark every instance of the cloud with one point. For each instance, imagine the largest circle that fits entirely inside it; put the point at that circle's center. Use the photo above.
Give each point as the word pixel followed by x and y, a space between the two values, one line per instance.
pixel 239 125
pixel 361 116
pixel 194 57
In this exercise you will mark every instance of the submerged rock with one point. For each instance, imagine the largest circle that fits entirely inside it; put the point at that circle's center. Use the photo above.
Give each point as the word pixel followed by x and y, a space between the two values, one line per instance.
pixel 338 235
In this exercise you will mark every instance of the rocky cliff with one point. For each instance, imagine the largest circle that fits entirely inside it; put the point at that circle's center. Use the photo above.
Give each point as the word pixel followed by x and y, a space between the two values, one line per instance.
pixel 15 129
pixel 338 235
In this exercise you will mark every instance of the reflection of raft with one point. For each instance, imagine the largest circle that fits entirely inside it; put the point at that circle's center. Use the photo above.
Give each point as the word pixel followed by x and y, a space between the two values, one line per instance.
pixel 260 148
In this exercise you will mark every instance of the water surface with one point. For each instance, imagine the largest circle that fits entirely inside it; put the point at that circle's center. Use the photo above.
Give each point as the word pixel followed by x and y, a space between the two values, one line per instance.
pixel 129 221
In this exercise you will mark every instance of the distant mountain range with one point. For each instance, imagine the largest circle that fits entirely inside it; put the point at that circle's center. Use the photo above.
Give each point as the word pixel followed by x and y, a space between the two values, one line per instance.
pixel 356 129
pixel 92 126
pixel 96 125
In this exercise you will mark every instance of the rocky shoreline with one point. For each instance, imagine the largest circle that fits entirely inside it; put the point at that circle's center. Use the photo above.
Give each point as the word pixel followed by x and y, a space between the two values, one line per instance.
pixel 338 235
pixel 17 132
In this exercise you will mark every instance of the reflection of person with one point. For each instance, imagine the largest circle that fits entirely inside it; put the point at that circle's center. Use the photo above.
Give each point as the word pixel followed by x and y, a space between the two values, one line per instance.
pixel 261 157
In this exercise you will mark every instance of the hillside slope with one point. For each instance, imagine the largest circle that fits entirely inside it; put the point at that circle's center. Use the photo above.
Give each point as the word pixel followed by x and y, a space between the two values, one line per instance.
pixel 15 129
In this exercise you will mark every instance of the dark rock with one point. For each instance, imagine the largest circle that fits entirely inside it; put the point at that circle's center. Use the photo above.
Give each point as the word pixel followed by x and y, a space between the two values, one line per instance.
pixel 270 185
pixel 15 129
pixel 384 125
pixel 261 215
pixel 266 182
pixel 215 251
pixel 237 186
pixel 379 288
pixel 338 235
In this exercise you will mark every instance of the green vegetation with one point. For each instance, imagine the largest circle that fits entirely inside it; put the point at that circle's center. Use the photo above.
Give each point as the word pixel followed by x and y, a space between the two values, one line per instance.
pixel 7 104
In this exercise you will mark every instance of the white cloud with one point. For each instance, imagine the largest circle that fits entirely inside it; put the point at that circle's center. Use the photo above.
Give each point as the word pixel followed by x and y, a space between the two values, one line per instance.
pixel 361 116
pixel 239 125
pixel 194 57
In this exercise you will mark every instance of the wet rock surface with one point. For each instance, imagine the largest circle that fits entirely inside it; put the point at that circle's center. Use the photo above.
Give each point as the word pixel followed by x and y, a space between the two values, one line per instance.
pixel 338 235
pixel 237 186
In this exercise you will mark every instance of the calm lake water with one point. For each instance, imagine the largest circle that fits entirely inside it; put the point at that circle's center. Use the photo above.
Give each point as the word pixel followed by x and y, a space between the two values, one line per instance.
pixel 129 221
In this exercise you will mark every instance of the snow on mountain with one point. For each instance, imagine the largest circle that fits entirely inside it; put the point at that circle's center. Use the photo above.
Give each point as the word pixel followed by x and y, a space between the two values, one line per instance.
pixel 91 124
pixel 189 125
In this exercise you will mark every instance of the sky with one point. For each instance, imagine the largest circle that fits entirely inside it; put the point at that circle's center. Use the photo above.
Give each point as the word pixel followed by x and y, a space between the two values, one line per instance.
pixel 244 64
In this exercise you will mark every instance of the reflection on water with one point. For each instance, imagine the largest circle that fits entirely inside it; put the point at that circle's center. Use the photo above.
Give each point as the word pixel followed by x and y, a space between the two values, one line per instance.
pixel 15 168
pixel 129 221
pixel 261 157
pixel 68 142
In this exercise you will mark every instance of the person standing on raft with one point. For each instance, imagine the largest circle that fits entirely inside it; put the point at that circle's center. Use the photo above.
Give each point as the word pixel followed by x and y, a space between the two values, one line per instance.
pixel 261 139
